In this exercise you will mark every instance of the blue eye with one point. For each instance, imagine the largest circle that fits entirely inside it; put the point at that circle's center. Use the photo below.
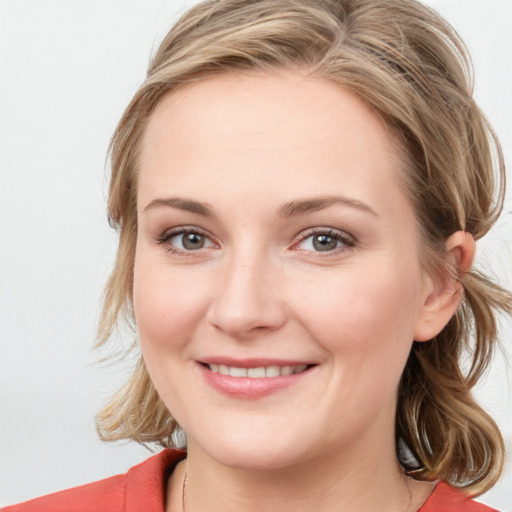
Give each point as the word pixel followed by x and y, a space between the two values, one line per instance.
pixel 325 241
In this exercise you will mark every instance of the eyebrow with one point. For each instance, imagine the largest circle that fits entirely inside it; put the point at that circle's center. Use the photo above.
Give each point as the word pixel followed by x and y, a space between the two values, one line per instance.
pixel 188 205
pixel 305 206
pixel 290 209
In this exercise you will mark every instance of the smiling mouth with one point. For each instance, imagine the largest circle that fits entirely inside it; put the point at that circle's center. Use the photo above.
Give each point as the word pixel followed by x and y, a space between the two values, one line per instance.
pixel 259 372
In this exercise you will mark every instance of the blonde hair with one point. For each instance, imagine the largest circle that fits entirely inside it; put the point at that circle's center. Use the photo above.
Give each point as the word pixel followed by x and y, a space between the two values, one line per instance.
pixel 405 62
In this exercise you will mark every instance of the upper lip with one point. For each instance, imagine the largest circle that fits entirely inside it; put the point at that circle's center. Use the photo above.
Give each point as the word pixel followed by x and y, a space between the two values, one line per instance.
pixel 253 362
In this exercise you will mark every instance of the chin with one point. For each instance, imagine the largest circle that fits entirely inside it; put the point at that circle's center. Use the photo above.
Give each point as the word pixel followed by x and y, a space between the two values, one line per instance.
pixel 262 458
pixel 254 451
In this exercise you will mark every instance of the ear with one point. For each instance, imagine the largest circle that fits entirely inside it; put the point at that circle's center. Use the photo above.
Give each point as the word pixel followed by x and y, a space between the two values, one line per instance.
pixel 443 291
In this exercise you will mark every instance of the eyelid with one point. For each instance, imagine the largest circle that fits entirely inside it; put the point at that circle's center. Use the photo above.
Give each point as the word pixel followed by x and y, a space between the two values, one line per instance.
pixel 167 235
pixel 347 240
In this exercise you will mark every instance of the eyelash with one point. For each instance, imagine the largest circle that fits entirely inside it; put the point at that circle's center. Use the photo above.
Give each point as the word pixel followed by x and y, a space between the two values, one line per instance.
pixel 346 240
pixel 167 236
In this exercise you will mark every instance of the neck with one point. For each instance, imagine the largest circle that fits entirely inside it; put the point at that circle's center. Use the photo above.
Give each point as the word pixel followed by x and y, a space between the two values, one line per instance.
pixel 324 482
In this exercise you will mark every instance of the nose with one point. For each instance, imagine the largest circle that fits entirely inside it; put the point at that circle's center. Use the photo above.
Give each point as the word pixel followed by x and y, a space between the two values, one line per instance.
pixel 248 299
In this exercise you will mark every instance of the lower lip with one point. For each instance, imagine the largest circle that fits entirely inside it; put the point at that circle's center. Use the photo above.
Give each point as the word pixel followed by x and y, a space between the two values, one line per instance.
pixel 250 388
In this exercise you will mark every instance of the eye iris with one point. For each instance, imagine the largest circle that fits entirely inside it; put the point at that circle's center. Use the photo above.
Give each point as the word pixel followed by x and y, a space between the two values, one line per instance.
pixel 324 242
pixel 193 241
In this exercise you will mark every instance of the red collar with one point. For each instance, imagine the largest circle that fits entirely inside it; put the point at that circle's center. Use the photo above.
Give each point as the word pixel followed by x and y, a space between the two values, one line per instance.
pixel 146 487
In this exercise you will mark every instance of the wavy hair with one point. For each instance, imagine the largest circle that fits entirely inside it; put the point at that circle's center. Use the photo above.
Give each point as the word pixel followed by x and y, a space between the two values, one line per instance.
pixel 411 68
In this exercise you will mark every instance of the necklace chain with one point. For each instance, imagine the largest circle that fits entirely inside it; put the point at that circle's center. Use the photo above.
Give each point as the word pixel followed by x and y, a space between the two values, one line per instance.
pixel 184 487
pixel 409 492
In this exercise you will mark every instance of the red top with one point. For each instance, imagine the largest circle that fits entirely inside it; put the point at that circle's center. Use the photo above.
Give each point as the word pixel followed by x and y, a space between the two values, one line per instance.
pixel 142 489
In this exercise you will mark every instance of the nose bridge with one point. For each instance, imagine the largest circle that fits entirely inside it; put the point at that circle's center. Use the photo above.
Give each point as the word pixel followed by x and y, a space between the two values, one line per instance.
pixel 247 298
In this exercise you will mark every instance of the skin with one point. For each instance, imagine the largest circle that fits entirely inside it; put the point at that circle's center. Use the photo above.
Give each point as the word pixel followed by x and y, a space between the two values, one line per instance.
pixel 242 146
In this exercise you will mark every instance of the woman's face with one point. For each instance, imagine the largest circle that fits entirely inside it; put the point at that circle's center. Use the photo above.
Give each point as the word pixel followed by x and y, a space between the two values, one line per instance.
pixel 277 286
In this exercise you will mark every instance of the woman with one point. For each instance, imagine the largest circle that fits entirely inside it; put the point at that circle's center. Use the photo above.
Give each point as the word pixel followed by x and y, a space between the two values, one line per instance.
pixel 298 187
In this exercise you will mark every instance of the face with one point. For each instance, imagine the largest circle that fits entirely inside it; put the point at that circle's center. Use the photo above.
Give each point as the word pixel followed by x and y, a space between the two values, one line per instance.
pixel 277 285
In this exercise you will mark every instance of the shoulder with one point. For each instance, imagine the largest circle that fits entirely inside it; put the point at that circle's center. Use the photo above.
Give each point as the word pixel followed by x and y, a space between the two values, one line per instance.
pixel 445 498
pixel 141 488
pixel 109 493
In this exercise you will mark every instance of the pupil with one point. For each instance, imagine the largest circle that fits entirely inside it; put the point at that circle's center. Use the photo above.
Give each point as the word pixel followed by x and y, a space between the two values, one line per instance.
pixel 193 241
pixel 324 243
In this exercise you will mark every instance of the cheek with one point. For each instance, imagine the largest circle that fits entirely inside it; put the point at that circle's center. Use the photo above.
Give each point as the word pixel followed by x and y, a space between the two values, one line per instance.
pixel 363 312
pixel 167 305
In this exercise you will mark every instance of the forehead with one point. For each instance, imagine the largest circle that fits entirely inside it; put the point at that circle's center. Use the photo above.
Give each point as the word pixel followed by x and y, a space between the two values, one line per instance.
pixel 274 131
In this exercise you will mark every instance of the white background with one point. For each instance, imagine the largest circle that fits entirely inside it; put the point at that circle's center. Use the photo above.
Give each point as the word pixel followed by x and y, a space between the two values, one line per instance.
pixel 67 70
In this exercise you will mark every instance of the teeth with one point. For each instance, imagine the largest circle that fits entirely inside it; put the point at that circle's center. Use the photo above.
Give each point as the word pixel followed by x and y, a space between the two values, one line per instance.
pixel 272 371
pixel 259 372
pixel 256 373
pixel 237 372
pixel 300 368
pixel 287 370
